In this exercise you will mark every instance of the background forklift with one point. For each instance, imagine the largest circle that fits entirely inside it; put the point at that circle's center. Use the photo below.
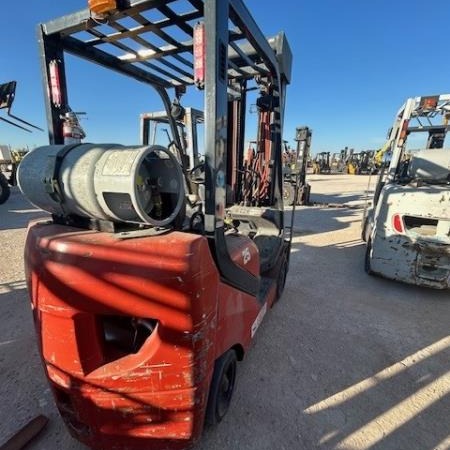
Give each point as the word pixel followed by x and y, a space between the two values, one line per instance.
pixel 296 190
pixel 321 163
pixel 155 272
pixel 362 163
pixel 407 229
pixel 10 159
pixel 154 129
pixel 338 161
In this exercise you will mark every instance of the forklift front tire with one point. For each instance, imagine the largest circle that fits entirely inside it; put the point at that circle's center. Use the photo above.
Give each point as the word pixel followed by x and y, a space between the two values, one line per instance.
pixel 288 193
pixel 222 387
pixel 5 190
pixel 281 279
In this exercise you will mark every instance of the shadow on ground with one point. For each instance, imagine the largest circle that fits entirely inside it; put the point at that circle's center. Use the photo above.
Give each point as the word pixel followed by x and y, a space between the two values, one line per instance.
pixel 360 364
pixel 17 212
pixel 317 220
pixel 342 199
pixel 342 361
pixel 23 386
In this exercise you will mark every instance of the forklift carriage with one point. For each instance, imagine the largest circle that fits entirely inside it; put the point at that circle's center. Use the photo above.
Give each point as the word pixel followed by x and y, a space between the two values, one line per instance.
pixel 158 264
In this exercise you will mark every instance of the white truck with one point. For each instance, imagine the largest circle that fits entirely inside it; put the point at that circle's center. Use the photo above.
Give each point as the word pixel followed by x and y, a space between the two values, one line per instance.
pixel 407 228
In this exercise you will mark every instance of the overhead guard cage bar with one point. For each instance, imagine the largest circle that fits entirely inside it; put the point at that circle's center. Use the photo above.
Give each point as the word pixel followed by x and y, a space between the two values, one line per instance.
pixel 415 108
pixel 152 42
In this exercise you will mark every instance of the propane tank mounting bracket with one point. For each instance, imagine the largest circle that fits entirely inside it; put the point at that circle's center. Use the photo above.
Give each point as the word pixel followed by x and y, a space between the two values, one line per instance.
pixel 50 180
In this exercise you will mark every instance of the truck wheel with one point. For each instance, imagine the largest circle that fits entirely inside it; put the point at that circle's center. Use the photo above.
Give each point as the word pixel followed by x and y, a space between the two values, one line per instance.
pixel 5 190
pixel 222 387
pixel 367 267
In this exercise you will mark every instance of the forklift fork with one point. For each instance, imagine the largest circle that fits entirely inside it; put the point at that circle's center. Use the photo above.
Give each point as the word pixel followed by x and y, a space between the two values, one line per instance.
pixel 7 95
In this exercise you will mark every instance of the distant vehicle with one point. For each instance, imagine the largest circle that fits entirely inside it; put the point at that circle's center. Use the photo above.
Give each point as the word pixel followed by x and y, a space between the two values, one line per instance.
pixel 321 163
pixel 10 159
pixel 296 191
pixel 407 229
pixel 362 163
pixel 382 156
pixel 9 162
pixel 338 161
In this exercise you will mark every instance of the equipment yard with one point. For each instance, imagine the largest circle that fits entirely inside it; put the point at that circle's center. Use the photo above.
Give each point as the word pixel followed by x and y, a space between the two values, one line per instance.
pixel 344 360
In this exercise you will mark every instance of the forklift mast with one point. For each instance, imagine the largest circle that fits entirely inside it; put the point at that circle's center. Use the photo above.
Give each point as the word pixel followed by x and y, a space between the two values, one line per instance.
pixel 303 137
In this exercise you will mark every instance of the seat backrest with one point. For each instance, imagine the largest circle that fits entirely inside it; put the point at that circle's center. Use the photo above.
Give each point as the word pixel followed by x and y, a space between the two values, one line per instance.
pixel 430 165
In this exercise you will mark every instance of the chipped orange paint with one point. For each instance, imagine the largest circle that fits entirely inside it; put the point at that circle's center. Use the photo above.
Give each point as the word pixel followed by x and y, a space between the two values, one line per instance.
pixel 156 397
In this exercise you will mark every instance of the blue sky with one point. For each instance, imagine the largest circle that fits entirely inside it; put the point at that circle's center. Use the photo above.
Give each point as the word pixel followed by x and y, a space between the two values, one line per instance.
pixel 355 62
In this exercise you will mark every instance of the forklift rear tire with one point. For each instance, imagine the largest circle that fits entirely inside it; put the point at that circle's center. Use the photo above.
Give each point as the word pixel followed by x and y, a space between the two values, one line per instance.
pixel 281 279
pixel 5 190
pixel 222 387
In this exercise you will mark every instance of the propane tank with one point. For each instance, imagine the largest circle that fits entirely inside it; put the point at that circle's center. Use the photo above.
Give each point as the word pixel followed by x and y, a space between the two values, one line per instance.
pixel 141 185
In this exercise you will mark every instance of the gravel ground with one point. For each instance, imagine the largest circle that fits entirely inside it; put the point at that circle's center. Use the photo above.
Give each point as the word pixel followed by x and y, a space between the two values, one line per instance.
pixel 343 361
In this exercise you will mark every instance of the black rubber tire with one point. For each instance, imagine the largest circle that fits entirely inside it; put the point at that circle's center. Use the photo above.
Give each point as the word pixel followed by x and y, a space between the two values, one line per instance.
pixel 367 267
pixel 5 190
pixel 282 275
pixel 288 194
pixel 364 230
pixel 221 388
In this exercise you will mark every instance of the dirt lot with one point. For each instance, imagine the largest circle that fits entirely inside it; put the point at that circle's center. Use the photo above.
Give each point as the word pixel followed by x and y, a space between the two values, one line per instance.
pixel 343 361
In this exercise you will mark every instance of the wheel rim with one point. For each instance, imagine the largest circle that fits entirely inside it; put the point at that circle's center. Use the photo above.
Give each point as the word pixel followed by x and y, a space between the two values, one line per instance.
pixel 287 193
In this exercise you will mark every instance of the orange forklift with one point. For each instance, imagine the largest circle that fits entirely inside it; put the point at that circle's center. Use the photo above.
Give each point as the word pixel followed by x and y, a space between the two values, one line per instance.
pixel 157 267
